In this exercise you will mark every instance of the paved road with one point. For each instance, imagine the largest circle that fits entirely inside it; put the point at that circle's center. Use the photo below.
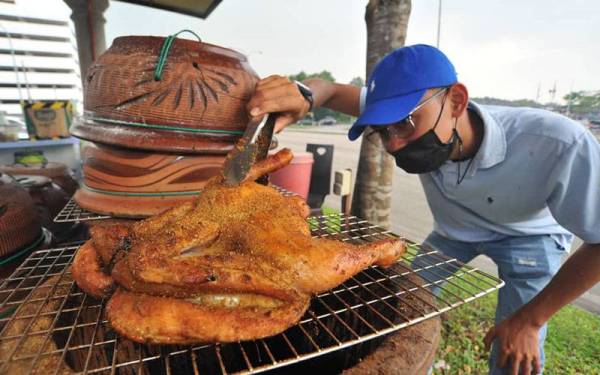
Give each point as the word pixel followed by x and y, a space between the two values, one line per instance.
pixel 411 216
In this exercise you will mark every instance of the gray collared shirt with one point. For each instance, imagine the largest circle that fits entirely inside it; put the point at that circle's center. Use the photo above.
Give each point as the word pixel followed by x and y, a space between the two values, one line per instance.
pixel 536 172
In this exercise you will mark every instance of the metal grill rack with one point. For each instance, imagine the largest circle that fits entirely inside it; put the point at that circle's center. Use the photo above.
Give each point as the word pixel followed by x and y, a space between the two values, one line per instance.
pixel 50 324
pixel 284 192
pixel 72 212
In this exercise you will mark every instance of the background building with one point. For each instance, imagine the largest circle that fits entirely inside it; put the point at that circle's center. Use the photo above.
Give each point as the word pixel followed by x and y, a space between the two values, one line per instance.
pixel 38 56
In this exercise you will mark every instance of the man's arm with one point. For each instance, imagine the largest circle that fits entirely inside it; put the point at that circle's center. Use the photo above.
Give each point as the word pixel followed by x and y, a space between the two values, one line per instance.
pixel 279 94
pixel 341 98
pixel 572 189
pixel 518 334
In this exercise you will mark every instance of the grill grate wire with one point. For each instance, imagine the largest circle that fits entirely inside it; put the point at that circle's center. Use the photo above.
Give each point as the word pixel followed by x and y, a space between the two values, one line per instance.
pixel 73 212
pixel 51 324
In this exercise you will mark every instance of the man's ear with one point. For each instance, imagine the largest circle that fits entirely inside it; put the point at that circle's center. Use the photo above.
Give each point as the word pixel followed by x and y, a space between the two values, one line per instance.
pixel 459 99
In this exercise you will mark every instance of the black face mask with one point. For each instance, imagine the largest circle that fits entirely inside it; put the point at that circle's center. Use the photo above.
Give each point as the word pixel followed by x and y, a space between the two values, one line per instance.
pixel 426 153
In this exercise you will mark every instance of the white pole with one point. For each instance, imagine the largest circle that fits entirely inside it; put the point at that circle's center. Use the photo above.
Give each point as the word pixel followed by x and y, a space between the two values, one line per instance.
pixel 439 23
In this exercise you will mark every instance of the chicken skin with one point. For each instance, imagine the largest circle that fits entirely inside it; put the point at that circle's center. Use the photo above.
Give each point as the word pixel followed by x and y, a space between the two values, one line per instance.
pixel 238 263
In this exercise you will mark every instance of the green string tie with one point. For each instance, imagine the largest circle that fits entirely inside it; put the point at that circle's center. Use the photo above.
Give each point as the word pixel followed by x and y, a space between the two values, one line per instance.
pixel 164 52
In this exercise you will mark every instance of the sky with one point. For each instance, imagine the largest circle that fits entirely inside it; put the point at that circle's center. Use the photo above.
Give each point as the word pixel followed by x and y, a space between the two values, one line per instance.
pixel 510 49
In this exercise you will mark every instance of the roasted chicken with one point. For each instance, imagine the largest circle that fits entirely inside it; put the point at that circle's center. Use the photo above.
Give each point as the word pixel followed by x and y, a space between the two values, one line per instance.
pixel 238 263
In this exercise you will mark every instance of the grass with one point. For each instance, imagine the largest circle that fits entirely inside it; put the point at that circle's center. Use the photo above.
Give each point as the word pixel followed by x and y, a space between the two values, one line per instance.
pixel 572 344
pixel 332 224
pixel 329 211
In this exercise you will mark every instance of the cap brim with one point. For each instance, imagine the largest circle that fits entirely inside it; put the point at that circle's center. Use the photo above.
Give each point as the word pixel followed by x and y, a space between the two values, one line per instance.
pixel 385 112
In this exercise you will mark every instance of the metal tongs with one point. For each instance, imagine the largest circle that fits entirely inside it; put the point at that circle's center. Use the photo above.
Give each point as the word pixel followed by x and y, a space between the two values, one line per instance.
pixel 252 147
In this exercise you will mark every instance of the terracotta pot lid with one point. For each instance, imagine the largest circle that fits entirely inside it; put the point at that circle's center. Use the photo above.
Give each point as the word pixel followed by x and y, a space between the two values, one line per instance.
pixel 50 169
pixel 152 139
pixel 32 180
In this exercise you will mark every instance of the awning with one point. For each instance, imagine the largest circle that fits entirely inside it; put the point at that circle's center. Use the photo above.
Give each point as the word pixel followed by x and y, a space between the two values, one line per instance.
pixel 196 8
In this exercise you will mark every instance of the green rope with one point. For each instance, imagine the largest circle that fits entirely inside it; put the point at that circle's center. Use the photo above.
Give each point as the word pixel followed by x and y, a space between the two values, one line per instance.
pixel 126 194
pixel 8 312
pixel 165 127
pixel 164 52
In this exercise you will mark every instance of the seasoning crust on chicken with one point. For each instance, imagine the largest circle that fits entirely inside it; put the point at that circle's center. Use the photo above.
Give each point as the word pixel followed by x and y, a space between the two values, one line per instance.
pixel 238 263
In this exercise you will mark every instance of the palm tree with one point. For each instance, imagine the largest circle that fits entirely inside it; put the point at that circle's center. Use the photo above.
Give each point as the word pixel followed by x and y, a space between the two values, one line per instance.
pixel 387 21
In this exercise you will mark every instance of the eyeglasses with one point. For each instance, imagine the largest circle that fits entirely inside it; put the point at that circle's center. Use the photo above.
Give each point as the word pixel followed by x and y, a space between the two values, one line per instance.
pixel 404 128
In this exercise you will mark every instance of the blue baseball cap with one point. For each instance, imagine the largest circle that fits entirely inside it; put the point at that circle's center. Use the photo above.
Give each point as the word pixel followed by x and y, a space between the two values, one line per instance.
pixel 399 81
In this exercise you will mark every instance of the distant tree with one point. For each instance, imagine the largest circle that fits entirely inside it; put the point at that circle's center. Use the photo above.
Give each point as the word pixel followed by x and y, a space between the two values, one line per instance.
pixel 325 74
pixel 357 81
pixel 580 104
pixel 583 102
pixel 509 103
pixel 320 113
pixel 298 77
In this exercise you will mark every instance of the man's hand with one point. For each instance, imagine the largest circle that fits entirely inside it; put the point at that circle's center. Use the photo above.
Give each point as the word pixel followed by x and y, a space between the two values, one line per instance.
pixel 517 344
pixel 278 94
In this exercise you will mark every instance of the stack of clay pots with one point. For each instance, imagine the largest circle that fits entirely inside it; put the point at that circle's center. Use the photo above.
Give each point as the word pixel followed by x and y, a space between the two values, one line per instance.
pixel 158 136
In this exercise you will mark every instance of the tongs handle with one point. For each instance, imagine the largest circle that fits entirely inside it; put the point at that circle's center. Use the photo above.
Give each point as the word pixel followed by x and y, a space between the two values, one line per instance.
pixel 263 142
pixel 252 147
pixel 264 135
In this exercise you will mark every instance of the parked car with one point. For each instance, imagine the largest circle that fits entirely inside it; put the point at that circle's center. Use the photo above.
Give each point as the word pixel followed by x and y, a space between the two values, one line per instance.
pixel 306 121
pixel 327 120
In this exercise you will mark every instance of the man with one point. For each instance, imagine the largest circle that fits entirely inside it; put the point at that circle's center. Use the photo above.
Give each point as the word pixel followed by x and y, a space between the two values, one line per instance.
pixel 510 183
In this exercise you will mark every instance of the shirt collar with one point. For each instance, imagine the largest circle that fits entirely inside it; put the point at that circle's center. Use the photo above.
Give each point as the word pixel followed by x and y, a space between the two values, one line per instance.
pixel 493 145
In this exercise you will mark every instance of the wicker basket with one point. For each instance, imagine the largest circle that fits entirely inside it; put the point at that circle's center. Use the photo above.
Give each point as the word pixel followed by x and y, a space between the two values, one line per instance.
pixel 197 105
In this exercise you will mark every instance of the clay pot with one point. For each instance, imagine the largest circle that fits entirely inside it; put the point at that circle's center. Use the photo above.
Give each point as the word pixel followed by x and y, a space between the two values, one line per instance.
pixel 198 105
pixel 126 183
pixel 19 220
pixel 49 200
pixel 58 172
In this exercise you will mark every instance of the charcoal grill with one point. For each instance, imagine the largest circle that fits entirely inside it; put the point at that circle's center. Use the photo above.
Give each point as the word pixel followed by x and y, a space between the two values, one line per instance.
pixel 59 329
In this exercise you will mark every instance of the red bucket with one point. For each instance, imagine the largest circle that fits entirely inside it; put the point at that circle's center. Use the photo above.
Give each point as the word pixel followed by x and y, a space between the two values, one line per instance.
pixel 295 177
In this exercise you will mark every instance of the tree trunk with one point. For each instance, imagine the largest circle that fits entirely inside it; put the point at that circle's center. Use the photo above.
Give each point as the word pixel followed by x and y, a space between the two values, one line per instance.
pixel 387 21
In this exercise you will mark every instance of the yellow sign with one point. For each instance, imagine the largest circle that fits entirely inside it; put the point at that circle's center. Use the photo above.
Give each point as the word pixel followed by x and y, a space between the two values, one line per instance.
pixel 48 119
